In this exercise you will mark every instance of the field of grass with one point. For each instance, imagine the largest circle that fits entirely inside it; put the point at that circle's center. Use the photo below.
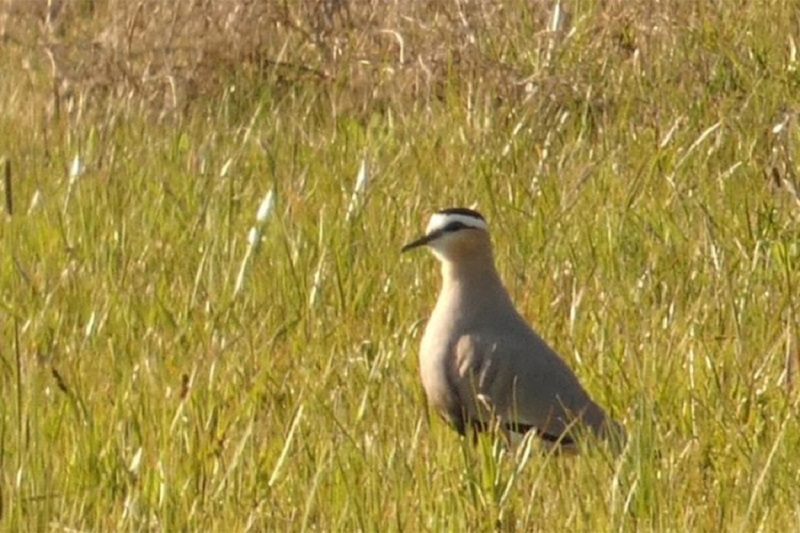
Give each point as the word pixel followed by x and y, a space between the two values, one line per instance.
pixel 636 162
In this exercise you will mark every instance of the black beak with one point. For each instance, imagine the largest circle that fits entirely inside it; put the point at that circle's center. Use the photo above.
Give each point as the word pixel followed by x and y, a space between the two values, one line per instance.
pixel 422 241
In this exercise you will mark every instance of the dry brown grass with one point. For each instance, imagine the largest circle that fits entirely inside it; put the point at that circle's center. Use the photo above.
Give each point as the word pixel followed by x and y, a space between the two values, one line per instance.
pixel 162 55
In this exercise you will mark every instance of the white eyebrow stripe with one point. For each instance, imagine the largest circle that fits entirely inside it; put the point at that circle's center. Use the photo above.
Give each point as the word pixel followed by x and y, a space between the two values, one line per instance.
pixel 442 220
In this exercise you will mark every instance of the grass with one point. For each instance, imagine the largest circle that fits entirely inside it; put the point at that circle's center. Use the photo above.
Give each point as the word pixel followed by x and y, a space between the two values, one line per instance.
pixel 637 169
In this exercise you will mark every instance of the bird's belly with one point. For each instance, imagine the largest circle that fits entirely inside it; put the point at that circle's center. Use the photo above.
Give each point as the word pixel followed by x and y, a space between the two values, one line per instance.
pixel 435 381
pixel 434 365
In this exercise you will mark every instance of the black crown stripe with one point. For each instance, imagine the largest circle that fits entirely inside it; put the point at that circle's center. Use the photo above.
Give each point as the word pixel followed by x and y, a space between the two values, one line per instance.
pixel 462 211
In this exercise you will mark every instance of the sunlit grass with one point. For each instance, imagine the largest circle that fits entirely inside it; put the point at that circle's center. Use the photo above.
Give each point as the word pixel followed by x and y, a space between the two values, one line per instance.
pixel 158 373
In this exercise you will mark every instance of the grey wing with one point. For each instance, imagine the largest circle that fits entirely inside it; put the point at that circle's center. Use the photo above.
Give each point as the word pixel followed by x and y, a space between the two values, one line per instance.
pixel 521 380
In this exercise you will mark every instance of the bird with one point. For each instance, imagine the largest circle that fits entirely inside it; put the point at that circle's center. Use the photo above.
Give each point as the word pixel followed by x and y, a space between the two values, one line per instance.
pixel 483 368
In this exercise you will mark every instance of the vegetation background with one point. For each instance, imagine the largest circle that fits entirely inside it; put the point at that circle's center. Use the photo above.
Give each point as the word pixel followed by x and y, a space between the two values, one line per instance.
pixel 160 371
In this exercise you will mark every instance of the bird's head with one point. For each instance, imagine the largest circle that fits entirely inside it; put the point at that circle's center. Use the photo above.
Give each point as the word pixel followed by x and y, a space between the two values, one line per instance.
pixel 455 234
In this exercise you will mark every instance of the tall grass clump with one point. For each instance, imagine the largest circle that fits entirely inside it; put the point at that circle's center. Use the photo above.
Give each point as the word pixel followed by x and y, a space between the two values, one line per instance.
pixel 636 162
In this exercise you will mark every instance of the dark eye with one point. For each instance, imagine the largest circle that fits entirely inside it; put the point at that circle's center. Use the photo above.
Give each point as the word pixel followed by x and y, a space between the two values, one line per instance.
pixel 454 226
